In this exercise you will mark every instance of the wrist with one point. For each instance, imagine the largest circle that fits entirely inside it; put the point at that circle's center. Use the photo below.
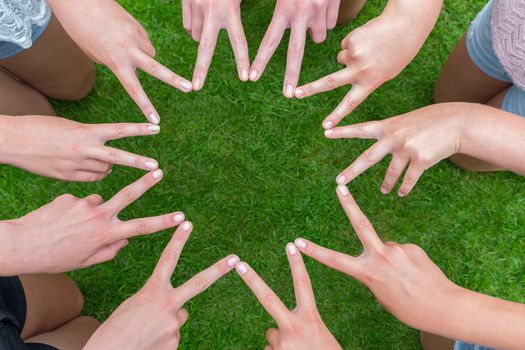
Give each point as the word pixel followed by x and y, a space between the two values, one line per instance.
pixel 9 263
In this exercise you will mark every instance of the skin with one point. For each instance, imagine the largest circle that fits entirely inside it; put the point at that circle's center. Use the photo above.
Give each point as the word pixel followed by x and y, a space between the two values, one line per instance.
pixel 411 287
pixel 300 328
pixel 376 53
pixel 54 66
pixel 203 19
pixel 348 10
pixel 66 150
pixel 158 303
pixel 126 49
pixel 315 16
pixel 72 233
pixel 422 138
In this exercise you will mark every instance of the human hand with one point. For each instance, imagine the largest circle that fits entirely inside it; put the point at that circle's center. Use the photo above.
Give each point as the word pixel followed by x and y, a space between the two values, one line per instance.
pixel 71 233
pixel 375 53
pixel 419 139
pixel 402 277
pixel 152 318
pixel 300 15
pixel 66 150
pixel 302 328
pixel 128 47
pixel 203 19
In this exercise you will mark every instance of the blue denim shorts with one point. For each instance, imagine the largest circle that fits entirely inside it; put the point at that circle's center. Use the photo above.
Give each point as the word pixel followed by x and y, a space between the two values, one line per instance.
pixel 481 51
pixel 8 49
pixel 464 346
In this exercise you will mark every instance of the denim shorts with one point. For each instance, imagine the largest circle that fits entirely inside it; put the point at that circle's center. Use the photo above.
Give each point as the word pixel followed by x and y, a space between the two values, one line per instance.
pixel 8 49
pixel 481 51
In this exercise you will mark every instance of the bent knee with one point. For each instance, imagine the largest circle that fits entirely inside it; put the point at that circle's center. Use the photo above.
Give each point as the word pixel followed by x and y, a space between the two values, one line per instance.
pixel 77 89
pixel 349 10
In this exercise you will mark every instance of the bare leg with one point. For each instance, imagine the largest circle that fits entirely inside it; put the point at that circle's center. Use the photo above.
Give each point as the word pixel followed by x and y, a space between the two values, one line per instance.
pixel 52 301
pixel 18 98
pixel 462 81
pixel 54 65
pixel 71 336
pixel 434 342
pixel 349 9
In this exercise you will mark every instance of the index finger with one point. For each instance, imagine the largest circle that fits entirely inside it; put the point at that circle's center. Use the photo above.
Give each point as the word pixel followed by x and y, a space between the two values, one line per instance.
pixel 272 39
pixel 266 296
pixel 132 192
pixel 162 73
pixel 294 58
pixel 368 130
pixel 115 131
pixel 170 256
pixel 239 46
pixel 362 227
pixel 131 84
pixel 207 44
pixel 304 294
pixel 330 82
pixel 204 279
pixel 351 101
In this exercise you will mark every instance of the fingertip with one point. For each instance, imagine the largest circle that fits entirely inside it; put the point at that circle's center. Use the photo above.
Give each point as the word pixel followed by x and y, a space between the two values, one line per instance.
pixel 343 190
pixel 299 93
pixel 300 243
pixel 241 268
pixel 401 193
pixel 328 124
pixel 186 226
pixel 153 128
pixel 186 86
pixel 244 75
pixel 341 180
pixel 288 91
pixel 154 118
pixel 329 132
pixel 197 84
pixel 151 164
pixel 291 249
pixel 157 174
pixel 254 75
pixel 384 190
pixel 233 260
pixel 178 218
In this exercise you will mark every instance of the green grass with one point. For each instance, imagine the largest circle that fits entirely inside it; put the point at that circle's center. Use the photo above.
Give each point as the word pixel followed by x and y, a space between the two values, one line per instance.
pixel 253 171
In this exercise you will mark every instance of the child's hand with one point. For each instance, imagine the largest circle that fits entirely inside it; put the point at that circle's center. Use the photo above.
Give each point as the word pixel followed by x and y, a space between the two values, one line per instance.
pixel 66 150
pixel 72 233
pixel 302 328
pixel 419 139
pixel 300 15
pixel 375 53
pixel 112 37
pixel 152 318
pixel 203 19
pixel 402 277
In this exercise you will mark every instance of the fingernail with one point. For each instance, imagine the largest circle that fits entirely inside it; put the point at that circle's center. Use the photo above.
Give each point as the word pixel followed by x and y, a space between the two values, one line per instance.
pixel 186 226
pixel 383 190
pixel 241 268
pixel 292 250
pixel 328 125
pixel 154 128
pixel 341 179
pixel 328 132
pixel 244 75
pixel 253 75
pixel 154 118
pixel 401 194
pixel 289 91
pixel 186 85
pixel 179 217
pixel 197 84
pixel 300 243
pixel 343 190
pixel 151 165
pixel 299 93
pixel 233 260
pixel 157 174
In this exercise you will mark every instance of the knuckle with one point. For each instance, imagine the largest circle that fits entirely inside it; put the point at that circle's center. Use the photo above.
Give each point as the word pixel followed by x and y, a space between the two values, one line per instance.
pixel 269 42
pixel 361 224
pixel 142 228
pixel 303 282
pixel 153 67
pixel 333 261
pixel 330 81
pixel 268 299
pixel 112 156
pixel 295 48
pixel 350 104
pixel 200 283
pixel 119 130
pixel 369 156
pixel 128 195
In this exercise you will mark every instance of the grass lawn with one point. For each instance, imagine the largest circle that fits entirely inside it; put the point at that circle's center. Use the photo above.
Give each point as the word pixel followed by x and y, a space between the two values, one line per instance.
pixel 253 171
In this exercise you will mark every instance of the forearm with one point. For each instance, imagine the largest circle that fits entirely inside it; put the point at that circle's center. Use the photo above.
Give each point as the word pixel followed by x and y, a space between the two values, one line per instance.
pixel 8 138
pixel 481 319
pixel 419 18
pixel 493 135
